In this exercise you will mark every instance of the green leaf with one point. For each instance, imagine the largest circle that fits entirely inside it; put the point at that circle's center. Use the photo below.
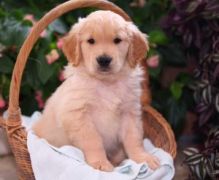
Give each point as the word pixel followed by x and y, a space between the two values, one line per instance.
pixel 185 78
pixel 12 32
pixel 176 89
pixel 45 71
pixel 28 104
pixel 30 74
pixel 175 112
pixel 18 14
pixel 6 65
pixel 158 37
pixel 154 72
pixel 173 54
pixel 5 85
pixel 58 26
pixel 52 45
pixel 2 13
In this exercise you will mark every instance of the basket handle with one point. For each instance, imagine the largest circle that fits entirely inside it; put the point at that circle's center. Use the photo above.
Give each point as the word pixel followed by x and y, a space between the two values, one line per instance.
pixel 35 33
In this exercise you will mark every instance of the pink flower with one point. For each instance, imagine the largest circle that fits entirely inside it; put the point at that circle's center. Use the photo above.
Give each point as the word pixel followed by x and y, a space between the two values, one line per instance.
pixel 43 34
pixel 2 103
pixel 59 44
pixel 61 75
pixel 153 61
pixel 30 18
pixel 39 99
pixel 52 56
pixel 138 3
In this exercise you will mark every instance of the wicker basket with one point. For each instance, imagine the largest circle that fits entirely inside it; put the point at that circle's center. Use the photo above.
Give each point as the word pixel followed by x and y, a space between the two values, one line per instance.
pixel 155 126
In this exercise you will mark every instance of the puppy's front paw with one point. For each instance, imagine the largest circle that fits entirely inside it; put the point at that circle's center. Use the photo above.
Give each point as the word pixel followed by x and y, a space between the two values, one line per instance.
pixel 103 165
pixel 152 161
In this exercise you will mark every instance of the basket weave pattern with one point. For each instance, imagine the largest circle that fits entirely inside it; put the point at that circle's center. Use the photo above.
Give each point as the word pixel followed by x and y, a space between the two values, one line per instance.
pixel 155 126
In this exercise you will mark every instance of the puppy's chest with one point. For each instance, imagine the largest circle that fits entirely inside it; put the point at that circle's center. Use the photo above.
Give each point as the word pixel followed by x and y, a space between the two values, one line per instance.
pixel 106 112
pixel 109 100
pixel 108 106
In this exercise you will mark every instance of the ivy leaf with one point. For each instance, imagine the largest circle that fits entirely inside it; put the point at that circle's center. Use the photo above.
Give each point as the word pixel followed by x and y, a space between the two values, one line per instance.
pixel 210 169
pixel 190 151
pixel 207 95
pixel 192 6
pixel 217 102
pixel 217 160
pixel 201 171
pixel 215 57
pixel 194 159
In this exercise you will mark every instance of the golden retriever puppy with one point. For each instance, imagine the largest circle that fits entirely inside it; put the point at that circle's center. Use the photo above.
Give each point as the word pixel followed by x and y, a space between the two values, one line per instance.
pixel 97 108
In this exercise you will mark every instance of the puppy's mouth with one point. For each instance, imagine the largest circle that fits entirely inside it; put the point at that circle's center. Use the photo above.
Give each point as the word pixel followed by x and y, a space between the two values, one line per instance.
pixel 104 70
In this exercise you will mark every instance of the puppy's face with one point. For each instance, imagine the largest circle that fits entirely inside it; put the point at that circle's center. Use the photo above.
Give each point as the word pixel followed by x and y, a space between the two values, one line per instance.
pixel 104 43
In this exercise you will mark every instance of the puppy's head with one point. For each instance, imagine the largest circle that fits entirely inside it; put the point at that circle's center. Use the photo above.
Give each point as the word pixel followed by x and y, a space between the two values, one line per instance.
pixel 104 43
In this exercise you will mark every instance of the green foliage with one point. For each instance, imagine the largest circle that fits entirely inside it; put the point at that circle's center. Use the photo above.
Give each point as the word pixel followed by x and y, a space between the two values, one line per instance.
pixel 6 65
pixel 158 37
pixel 12 32
pixel 176 89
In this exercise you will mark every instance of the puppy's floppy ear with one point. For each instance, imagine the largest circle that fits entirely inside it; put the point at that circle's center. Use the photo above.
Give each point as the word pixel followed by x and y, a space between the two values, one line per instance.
pixel 138 45
pixel 71 46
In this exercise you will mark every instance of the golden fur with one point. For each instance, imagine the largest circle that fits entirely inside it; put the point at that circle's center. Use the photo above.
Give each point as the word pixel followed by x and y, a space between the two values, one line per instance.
pixel 99 111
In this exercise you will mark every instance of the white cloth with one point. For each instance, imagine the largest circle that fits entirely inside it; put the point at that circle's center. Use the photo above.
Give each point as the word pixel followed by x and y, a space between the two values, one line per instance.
pixel 68 163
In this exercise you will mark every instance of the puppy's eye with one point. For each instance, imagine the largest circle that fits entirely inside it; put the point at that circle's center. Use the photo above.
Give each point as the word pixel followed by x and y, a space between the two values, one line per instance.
pixel 91 41
pixel 117 40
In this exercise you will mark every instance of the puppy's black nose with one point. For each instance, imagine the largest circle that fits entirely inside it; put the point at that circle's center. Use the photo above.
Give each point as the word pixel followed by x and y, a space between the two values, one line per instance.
pixel 104 61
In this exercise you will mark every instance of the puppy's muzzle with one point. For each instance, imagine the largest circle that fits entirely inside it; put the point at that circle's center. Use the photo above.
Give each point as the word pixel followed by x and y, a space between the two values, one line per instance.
pixel 104 62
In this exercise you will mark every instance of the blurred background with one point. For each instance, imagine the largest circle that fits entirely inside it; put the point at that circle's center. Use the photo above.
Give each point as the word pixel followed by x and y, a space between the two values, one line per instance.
pixel 183 64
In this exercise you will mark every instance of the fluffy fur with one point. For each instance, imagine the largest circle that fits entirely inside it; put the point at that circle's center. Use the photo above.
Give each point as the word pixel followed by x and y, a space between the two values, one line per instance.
pixel 99 110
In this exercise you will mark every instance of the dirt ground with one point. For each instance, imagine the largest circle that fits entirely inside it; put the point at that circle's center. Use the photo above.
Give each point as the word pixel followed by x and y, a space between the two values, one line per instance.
pixel 7 168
